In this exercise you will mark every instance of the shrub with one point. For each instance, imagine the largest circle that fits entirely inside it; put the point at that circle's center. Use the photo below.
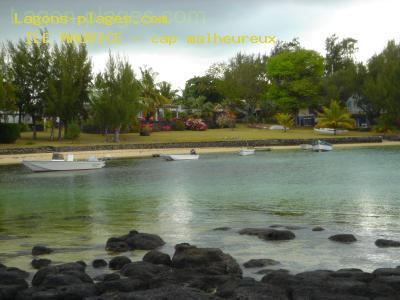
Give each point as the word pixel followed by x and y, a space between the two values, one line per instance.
pixel 178 125
pixel 73 131
pixel 145 130
pixel 196 124
pixel 385 124
pixel 23 127
pixel 9 133
pixel 226 121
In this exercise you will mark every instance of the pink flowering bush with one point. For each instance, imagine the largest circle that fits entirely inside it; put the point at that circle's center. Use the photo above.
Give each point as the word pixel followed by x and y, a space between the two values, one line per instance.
pixel 196 124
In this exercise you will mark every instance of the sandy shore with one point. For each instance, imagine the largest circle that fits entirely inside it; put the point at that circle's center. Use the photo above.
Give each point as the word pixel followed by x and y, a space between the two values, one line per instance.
pixel 137 153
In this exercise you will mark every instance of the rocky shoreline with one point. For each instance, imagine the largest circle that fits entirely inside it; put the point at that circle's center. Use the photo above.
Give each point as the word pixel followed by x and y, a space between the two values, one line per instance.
pixel 194 273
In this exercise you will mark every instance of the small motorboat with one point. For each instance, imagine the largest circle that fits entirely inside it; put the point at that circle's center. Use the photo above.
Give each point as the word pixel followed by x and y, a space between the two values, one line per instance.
pixel 245 152
pixel 57 163
pixel 171 157
pixel 192 156
pixel 321 146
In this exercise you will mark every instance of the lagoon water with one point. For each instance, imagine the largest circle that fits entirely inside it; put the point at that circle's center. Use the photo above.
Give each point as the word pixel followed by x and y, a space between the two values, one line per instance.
pixel 345 191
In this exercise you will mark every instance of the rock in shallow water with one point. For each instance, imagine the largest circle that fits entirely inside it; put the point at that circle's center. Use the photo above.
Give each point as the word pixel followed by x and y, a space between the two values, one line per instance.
pixel 40 263
pixel 386 243
pixel 262 262
pixel 41 249
pixel 343 238
pixel 318 228
pixel 134 240
pixel 269 234
pixel 222 229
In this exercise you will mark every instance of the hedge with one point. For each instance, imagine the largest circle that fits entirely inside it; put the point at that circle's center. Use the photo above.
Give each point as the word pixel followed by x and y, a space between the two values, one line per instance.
pixel 9 133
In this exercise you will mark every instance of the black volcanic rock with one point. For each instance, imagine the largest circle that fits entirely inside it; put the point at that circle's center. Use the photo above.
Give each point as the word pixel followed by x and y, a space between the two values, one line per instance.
pixel 386 243
pixel 222 229
pixel 262 262
pixel 40 263
pixel 211 259
pixel 99 263
pixel 61 275
pixel 269 234
pixel 118 262
pixel 40 250
pixel 157 258
pixel 318 228
pixel 343 238
pixel 134 240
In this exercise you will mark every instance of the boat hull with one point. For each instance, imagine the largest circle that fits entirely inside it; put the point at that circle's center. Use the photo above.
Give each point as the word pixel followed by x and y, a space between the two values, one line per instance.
pixel 50 166
pixel 175 157
pixel 246 152
pixel 321 148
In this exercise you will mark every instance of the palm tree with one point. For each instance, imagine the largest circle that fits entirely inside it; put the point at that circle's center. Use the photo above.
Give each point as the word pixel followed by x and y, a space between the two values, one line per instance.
pixel 335 117
pixel 284 119
pixel 165 89
pixel 150 96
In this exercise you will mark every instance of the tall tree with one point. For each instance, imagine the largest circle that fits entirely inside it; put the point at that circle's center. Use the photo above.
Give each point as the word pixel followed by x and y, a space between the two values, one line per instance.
pixel 202 86
pixel 69 83
pixel 30 67
pixel 295 79
pixel 7 97
pixel 115 100
pixel 244 80
pixel 166 90
pixel 151 98
pixel 339 54
pixel 382 84
pixel 341 71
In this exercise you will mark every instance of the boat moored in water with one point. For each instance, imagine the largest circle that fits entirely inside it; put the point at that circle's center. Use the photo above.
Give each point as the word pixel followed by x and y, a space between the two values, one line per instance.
pixel 57 163
pixel 192 156
pixel 321 146
pixel 246 152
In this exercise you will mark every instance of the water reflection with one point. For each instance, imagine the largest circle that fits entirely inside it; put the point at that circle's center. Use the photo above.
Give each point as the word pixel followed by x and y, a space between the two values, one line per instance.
pixel 344 191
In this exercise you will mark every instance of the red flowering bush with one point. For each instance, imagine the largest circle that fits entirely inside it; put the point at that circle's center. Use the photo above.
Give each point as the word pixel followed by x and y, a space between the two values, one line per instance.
pixel 196 124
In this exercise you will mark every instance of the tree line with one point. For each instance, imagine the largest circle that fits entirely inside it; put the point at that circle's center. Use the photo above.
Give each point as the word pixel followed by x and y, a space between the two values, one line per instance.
pixel 256 87
pixel 59 83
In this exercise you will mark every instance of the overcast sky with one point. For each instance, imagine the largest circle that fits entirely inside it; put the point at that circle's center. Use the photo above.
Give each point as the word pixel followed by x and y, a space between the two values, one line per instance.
pixel 371 22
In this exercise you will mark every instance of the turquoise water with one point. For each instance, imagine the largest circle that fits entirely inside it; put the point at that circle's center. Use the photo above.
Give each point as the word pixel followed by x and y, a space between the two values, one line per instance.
pixel 345 191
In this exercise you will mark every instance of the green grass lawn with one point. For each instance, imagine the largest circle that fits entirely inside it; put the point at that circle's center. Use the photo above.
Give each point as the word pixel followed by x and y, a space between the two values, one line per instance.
pixel 241 132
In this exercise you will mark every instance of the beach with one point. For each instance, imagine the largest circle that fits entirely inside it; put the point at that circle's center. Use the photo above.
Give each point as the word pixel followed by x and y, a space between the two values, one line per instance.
pixel 142 153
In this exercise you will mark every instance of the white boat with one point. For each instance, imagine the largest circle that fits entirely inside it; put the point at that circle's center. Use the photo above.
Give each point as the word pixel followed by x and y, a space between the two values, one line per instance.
pixel 278 127
pixel 59 164
pixel 329 131
pixel 245 152
pixel 321 146
pixel 181 156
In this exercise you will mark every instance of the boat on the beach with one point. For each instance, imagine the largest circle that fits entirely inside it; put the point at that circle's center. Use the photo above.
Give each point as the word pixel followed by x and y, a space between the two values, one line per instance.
pixel 321 146
pixel 329 131
pixel 317 146
pixel 246 152
pixel 57 163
